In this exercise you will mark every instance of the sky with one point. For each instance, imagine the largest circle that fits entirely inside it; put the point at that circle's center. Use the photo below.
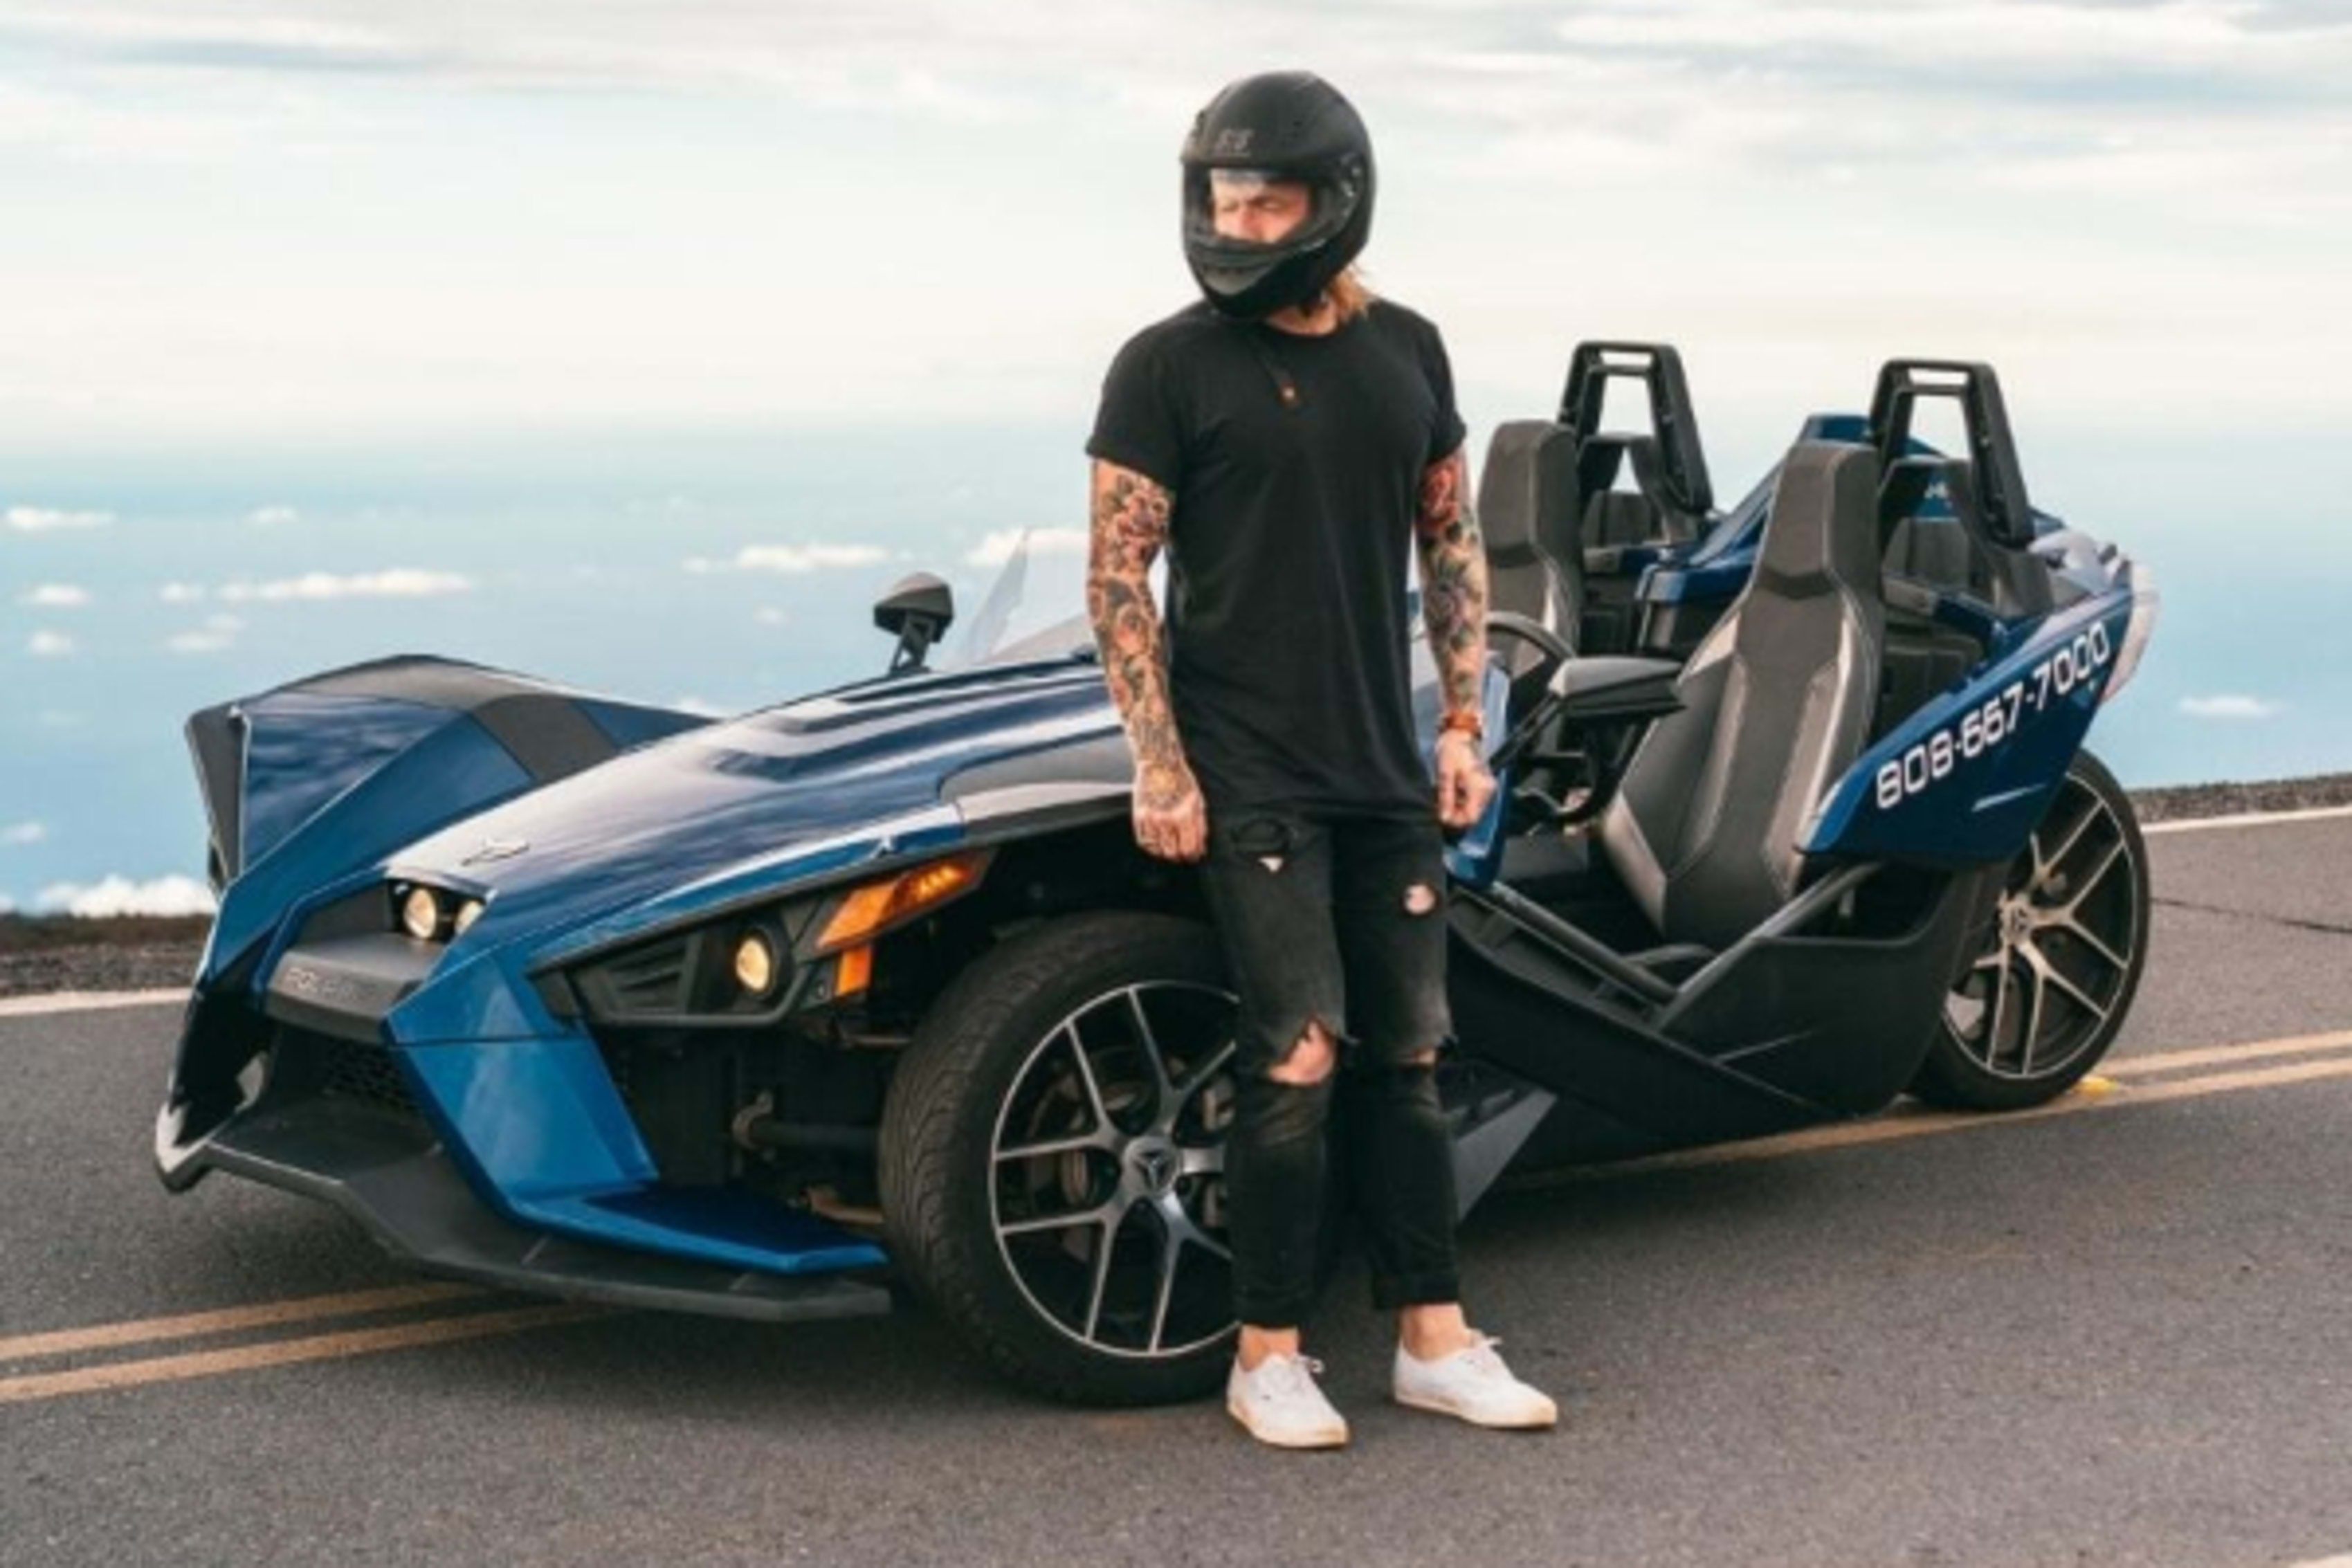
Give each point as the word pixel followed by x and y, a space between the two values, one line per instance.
pixel 360 292
pixel 243 219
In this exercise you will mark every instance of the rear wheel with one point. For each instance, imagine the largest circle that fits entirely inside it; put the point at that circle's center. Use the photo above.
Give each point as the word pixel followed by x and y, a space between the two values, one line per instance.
pixel 2054 970
pixel 1052 1159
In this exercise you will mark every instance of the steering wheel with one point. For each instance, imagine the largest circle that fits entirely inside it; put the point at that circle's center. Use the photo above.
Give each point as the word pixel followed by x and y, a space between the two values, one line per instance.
pixel 1556 653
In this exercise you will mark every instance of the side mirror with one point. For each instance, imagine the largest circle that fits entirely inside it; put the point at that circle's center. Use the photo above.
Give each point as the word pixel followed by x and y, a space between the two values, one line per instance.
pixel 918 610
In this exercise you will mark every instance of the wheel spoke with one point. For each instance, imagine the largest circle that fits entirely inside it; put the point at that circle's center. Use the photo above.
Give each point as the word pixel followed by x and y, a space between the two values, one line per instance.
pixel 1104 1246
pixel 2081 998
pixel 1098 1139
pixel 1993 1025
pixel 1101 1213
pixel 1171 1256
pixel 2091 814
pixel 2033 1015
pixel 1185 1224
pixel 1207 1070
pixel 1208 1159
pixel 1087 1077
pixel 2107 863
pixel 2083 934
pixel 1167 1089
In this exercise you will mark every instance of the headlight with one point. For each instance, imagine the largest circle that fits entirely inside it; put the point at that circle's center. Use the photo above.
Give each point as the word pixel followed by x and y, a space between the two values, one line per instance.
pixel 467 913
pixel 420 913
pixel 751 967
pixel 755 964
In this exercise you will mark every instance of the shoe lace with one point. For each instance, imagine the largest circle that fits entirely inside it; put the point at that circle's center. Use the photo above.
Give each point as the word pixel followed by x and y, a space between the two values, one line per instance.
pixel 1483 1355
pixel 1291 1374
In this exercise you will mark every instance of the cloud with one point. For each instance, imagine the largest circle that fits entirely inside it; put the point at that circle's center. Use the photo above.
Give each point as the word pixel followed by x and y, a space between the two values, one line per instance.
pixel 47 644
pixel 997 548
pixel 55 597
pixel 272 516
pixel 218 632
pixel 118 895
pixel 769 616
pixel 56 719
pixel 400 583
pixel 24 833
pixel 7 905
pixel 181 593
pixel 48 519
pixel 792 559
pixel 2230 705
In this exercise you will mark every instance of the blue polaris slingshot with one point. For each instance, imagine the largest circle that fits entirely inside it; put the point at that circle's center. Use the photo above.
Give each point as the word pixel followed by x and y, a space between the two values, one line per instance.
pixel 871 994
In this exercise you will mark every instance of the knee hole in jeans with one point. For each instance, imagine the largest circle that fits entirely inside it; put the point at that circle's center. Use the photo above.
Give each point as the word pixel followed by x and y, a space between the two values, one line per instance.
pixel 1312 1057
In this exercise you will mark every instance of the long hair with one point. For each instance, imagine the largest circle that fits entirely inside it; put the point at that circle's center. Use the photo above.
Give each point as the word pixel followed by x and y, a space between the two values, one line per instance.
pixel 1349 295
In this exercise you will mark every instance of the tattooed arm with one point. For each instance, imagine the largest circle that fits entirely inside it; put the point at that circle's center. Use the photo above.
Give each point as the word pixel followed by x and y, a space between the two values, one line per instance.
pixel 1453 603
pixel 1130 529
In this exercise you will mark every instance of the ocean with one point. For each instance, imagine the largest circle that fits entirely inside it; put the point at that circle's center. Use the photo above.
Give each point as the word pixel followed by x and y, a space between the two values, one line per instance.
pixel 732 570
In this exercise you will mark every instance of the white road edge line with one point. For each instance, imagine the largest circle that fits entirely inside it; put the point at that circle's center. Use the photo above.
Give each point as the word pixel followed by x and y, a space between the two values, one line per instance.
pixel 2248 819
pixel 84 1002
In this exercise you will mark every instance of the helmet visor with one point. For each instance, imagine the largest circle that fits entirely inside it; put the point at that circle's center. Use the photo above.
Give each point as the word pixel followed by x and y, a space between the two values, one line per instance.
pixel 1251 216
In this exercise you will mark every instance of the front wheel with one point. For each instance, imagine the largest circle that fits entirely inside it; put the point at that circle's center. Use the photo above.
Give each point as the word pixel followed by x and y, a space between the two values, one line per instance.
pixel 1053 1158
pixel 2054 970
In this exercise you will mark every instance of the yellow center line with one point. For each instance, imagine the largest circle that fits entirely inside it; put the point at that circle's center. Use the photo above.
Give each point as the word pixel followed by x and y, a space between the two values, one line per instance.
pixel 351 1304
pixel 280 1353
pixel 2209 1055
pixel 2094 1095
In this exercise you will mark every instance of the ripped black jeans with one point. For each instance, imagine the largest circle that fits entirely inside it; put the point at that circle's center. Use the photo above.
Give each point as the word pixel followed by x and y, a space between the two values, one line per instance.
pixel 1339 920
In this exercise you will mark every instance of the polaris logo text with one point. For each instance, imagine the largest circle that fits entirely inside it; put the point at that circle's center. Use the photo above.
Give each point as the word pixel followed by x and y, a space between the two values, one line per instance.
pixel 495 849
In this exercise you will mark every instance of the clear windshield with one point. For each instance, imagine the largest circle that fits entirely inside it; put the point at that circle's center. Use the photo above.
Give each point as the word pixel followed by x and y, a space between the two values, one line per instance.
pixel 1035 609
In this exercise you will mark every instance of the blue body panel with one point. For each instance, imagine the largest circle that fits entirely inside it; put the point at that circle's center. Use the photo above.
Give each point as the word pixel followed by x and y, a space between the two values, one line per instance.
pixel 1956 803
pixel 456 769
pixel 695 819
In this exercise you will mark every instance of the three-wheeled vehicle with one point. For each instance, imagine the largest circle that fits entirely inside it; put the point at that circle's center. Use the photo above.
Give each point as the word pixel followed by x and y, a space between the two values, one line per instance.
pixel 871 992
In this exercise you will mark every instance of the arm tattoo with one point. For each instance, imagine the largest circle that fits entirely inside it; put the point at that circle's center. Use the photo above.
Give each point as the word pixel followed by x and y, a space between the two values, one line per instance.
pixel 1453 581
pixel 1129 528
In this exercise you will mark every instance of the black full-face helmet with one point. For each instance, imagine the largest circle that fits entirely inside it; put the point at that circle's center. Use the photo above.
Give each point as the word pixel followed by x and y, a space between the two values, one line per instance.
pixel 1282 126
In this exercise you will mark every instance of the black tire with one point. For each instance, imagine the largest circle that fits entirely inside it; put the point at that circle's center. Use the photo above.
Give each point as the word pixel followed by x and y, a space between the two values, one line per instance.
pixel 2073 928
pixel 994 1059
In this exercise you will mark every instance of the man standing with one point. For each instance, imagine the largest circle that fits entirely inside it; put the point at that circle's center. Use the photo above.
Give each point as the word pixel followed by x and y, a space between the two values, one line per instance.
pixel 1282 440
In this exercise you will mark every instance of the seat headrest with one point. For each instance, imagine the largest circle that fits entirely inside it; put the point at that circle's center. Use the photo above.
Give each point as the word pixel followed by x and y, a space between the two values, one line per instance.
pixel 1621 517
pixel 1527 488
pixel 1822 529
pixel 1600 460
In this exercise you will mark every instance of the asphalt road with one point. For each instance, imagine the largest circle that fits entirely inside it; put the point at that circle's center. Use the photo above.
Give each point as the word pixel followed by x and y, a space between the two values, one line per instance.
pixel 2114 1333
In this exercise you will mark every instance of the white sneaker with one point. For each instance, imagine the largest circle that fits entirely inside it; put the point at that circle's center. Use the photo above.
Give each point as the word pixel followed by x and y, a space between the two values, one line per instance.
pixel 1474 1384
pixel 1280 1404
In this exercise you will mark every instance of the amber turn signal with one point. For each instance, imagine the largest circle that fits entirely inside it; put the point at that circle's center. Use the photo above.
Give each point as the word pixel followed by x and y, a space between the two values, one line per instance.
pixel 878 906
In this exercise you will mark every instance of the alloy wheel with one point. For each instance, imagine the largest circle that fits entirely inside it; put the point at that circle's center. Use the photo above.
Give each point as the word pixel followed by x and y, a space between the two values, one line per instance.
pixel 1107 1171
pixel 2057 963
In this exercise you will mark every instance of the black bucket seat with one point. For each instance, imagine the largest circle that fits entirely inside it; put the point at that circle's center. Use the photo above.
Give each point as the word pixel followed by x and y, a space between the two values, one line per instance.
pixel 1526 512
pixel 1777 700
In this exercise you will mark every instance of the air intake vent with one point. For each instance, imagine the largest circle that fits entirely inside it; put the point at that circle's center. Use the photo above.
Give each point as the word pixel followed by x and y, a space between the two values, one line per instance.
pixel 312 1064
pixel 650 981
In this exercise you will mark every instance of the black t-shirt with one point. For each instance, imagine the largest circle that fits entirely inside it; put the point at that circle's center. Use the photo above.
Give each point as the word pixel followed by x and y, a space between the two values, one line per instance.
pixel 1290 669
